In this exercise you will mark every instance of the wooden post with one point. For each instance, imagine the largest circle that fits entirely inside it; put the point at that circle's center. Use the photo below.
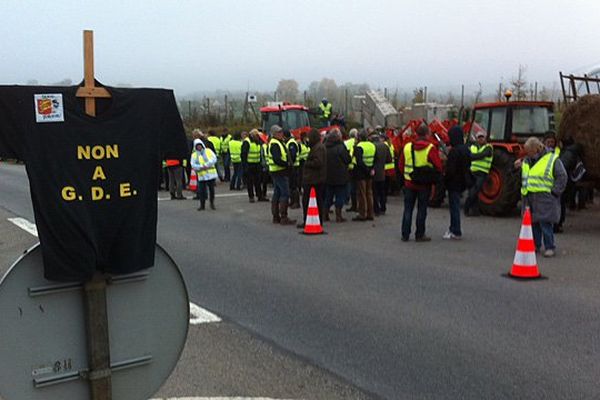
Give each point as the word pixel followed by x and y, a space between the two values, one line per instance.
pixel 89 90
pixel 96 315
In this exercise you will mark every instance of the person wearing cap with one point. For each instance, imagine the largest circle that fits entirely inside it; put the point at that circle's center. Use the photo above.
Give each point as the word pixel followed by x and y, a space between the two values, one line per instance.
pixel 482 155
pixel 421 154
pixel 325 107
pixel 203 160
pixel 279 168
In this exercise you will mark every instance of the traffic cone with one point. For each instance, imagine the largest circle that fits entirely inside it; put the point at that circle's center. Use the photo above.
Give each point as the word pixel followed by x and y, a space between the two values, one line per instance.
pixel 312 225
pixel 525 263
pixel 193 186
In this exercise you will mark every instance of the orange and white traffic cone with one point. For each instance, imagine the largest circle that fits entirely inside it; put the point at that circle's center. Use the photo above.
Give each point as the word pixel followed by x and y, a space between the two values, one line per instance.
pixel 312 225
pixel 525 263
pixel 193 186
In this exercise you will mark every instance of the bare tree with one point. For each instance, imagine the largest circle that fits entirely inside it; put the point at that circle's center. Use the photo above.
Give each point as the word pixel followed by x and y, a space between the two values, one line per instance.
pixel 418 95
pixel 287 90
pixel 478 94
pixel 519 84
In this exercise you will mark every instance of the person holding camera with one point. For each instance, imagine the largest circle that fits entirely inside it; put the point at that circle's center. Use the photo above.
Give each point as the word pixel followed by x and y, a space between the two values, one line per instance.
pixel 421 166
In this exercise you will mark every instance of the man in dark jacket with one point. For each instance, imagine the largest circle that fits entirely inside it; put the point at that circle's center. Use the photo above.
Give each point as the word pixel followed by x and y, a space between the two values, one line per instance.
pixel 338 159
pixel 382 157
pixel 314 174
pixel 456 178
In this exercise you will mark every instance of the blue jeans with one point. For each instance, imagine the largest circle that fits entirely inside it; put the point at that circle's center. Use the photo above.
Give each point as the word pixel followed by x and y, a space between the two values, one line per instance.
pixel 454 202
pixel 236 179
pixel 421 197
pixel 339 192
pixel 545 231
pixel 281 188
pixel 473 197
pixel 227 166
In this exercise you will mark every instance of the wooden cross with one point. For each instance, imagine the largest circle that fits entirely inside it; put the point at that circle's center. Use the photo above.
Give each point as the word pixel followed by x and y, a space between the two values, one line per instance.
pixel 96 315
pixel 89 90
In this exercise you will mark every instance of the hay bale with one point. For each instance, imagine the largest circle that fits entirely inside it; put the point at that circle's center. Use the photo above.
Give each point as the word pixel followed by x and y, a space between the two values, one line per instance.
pixel 581 121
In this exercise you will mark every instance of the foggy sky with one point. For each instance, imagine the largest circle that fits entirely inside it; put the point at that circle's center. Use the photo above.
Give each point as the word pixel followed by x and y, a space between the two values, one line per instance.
pixel 221 44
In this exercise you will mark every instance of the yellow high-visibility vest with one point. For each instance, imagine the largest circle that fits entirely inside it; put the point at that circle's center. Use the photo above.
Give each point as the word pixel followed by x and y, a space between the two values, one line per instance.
pixel 253 152
pixel 538 178
pixel 216 141
pixel 368 154
pixel 421 159
pixel 325 110
pixel 272 166
pixel 235 150
pixel 350 147
pixel 391 165
pixel 483 164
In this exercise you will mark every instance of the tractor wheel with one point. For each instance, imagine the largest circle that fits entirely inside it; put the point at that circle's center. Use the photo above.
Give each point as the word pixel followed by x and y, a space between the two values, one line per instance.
pixel 502 189
pixel 438 193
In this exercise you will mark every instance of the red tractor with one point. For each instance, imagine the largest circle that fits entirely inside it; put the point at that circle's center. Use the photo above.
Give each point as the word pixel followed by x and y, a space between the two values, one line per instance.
pixel 293 117
pixel 508 125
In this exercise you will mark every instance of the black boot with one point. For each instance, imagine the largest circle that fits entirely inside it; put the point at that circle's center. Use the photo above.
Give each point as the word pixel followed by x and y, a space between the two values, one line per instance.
pixel 275 212
pixel 201 208
pixel 283 211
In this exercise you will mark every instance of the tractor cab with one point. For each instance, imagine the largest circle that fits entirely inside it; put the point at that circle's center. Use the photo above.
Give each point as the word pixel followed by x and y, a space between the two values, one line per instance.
pixel 292 117
pixel 513 122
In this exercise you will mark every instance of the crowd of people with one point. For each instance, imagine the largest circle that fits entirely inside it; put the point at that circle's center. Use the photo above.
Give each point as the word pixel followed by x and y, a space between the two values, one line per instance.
pixel 361 168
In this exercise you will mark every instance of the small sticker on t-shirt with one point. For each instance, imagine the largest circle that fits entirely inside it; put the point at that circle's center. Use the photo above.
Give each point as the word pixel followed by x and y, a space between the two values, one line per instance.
pixel 49 108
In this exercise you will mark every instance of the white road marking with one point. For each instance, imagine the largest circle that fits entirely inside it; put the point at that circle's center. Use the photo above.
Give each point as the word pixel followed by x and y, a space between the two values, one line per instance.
pixel 240 194
pixel 25 225
pixel 218 398
pixel 198 315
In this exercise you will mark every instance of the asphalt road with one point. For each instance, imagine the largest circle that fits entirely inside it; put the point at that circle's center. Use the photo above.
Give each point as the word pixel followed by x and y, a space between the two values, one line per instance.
pixel 399 320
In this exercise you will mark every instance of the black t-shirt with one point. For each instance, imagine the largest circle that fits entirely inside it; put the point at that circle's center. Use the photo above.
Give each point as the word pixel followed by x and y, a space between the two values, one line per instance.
pixel 93 180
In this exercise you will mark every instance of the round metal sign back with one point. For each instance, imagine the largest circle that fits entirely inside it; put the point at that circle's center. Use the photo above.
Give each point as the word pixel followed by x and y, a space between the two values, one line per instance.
pixel 43 351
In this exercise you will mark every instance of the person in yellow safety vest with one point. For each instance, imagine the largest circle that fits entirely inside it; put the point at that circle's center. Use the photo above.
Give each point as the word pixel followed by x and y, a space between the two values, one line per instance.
pixel 325 107
pixel 225 139
pixel 294 152
pixel 215 140
pixel 251 164
pixel 420 154
pixel 544 179
pixel 482 155
pixel 365 154
pixel 203 161
pixel 279 168
pixel 349 143
pixel 235 151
